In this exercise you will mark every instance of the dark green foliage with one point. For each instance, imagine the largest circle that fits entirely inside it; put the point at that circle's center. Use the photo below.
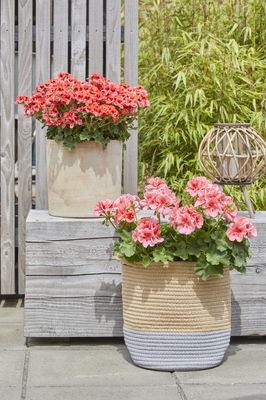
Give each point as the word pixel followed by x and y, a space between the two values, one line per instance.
pixel 202 62
pixel 99 130
pixel 209 248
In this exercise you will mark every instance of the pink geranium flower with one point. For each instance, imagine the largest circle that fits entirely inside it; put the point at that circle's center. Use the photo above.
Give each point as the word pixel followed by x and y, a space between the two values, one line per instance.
pixel 211 201
pixel 126 207
pixel 103 208
pixel 241 227
pixel 160 201
pixel 230 209
pixel 197 184
pixel 155 183
pixel 186 219
pixel 147 232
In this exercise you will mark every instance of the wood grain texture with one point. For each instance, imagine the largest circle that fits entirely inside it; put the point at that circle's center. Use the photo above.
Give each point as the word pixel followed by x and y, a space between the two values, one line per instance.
pixel 93 285
pixel 131 77
pixel 24 131
pixel 90 267
pixel 113 39
pixel 7 148
pixel 78 38
pixel 43 61
pixel 64 253
pixel 42 227
pixel 96 36
pixel 73 317
pixel 249 300
pixel 60 60
pixel 69 276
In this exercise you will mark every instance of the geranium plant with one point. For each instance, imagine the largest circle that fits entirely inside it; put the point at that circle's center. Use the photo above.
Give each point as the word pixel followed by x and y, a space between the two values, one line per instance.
pixel 203 227
pixel 75 111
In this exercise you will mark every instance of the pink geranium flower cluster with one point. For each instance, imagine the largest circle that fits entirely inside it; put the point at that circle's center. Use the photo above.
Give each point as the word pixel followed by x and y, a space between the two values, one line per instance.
pixel 203 227
pixel 211 199
pixel 186 219
pixel 66 101
pixel 240 228
pixel 209 202
pixel 147 232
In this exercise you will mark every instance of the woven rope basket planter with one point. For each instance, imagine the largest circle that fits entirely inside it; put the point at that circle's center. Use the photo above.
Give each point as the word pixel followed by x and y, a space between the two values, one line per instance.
pixel 173 320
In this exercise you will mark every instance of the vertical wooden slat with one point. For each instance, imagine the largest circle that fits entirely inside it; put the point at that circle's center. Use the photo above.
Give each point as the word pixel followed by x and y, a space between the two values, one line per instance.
pixel 96 36
pixel 131 77
pixel 7 148
pixel 60 61
pixel 113 39
pixel 24 130
pixel 43 17
pixel 78 39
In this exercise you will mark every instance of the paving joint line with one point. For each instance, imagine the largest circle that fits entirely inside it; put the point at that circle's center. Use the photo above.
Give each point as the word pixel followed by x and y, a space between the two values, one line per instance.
pixel 180 390
pixel 25 375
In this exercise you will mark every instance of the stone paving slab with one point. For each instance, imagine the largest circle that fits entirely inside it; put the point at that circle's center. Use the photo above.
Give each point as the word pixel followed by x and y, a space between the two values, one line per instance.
pixel 104 393
pixel 225 392
pixel 11 367
pixel 11 336
pixel 9 315
pixel 97 369
pixel 10 393
pixel 245 363
pixel 90 367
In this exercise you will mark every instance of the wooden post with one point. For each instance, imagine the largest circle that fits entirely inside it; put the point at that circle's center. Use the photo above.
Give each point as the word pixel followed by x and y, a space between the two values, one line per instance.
pixel 78 39
pixel 24 131
pixel 95 36
pixel 43 19
pixel 60 61
pixel 131 77
pixel 7 148
pixel 113 39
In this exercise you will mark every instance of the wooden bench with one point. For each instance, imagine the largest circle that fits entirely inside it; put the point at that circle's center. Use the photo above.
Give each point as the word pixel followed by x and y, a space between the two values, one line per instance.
pixel 73 282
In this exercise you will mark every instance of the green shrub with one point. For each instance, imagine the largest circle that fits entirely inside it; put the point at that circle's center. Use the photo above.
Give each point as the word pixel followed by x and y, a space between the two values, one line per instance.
pixel 202 62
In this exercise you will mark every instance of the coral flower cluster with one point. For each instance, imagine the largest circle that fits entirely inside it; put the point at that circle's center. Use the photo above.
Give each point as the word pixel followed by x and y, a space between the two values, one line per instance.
pixel 203 227
pixel 65 101
pixel 209 202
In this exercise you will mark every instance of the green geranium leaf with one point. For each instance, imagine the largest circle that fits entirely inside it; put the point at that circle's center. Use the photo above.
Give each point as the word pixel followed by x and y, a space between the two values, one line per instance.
pixel 147 260
pixel 127 249
pixel 162 255
pixel 181 250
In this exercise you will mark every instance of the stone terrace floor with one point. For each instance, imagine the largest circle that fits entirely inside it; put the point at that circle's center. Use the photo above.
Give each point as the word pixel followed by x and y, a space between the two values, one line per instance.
pixel 97 369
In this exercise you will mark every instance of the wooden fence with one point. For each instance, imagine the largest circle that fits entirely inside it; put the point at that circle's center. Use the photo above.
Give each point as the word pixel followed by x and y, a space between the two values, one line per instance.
pixel 39 39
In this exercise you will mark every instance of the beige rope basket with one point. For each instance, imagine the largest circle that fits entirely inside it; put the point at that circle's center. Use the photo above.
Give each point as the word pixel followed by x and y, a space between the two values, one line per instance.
pixel 173 320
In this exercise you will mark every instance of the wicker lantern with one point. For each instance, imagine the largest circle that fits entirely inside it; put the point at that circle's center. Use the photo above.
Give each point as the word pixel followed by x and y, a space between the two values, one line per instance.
pixel 233 154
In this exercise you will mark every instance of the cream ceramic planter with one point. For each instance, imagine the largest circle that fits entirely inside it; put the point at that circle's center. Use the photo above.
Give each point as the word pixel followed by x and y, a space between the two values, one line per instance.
pixel 173 320
pixel 78 179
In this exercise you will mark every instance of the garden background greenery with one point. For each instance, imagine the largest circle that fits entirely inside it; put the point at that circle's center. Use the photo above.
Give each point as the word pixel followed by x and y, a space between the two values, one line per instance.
pixel 202 61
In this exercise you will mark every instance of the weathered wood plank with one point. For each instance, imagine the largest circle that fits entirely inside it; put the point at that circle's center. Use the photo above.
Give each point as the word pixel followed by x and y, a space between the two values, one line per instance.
pixel 96 36
pixel 249 300
pixel 113 39
pixel 131 77
pixel 94 285
pixel 60 61
pixel 91 267
pixel 42 227
pixel 78 39
pixel 65 253
pixel 85 269
pixel 43 20
pixel 24 131
pixel 7 147
pixel 73 317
